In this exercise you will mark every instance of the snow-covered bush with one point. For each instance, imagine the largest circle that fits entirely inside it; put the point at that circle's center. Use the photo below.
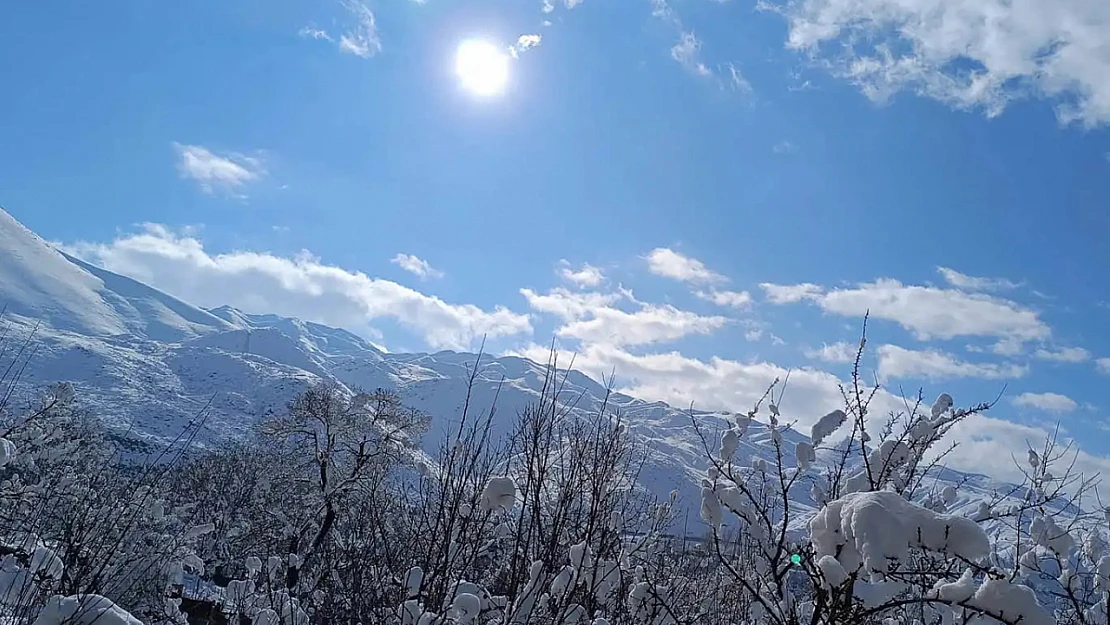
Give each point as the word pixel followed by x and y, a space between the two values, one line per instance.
pixel 330 513
pixel 878 544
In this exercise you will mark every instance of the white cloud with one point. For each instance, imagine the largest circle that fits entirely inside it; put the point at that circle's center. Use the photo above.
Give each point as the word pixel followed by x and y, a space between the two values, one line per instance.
pixel 898 362
pixel 972 283
pixel 362 39
pixel 311 32
pixel 1049 402
pixel 970 54
pixel 686 52
pixel 1066 354
pixel 790 294
pixel 300 286
pixel 568 305
pixel 740 300
pixel 841 352
pixel 585 276
pixel 987 445
pixel 737 81
pixel 416 266
pixel 984 444
pixel 524 42
pixel 226 173
pixel 668 263
pixel 784 147
pixel 652 323
pixel 1103 365
pixel 928 312
pixel 591 317
pixel 713 384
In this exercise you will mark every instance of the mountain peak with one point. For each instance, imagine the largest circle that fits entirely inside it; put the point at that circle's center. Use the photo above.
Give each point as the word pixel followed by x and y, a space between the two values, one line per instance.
pixel 43 284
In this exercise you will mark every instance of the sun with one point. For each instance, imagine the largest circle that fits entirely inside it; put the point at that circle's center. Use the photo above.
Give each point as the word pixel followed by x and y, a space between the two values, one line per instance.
pixel 482 67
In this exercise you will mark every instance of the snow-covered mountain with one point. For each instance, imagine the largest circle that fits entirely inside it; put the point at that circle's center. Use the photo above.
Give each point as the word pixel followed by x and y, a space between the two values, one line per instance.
pixel 146 362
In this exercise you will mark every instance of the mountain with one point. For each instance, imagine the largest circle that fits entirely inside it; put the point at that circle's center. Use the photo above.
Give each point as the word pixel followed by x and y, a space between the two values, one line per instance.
pixel 147 363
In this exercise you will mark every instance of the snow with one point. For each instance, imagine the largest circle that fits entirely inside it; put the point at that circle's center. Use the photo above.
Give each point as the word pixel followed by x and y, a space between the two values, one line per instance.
pixel 499 494
pixel 45 285
pixel 149 364
pixel 869 529
pixel 1016 603
pixel 7 451
pixel 826 425
pixel 84 610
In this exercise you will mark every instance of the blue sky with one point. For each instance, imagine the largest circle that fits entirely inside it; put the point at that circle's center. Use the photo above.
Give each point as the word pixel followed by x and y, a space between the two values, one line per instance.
pixel 653 172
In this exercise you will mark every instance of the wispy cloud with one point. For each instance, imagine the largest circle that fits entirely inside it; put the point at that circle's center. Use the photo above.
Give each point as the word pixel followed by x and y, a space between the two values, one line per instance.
pixel 1103 366
pixel 970 55
pixel 784 147
pixel 226 173
pixel 360 38
pixel 416 266
pixel 791 293
pixel 972 283
pixel 311 32
pixel 594 318
pixel 665 262
pixel 1048 402
pixel 740 300
pixel 686 52
pixel 585 276
pixel 928 312
pixel 839 353
pixel 1066 354
pixel 898 362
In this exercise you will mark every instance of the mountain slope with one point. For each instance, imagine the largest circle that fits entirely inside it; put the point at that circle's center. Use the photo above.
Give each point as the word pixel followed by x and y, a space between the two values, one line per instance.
pixel 40 283
pixel 148 363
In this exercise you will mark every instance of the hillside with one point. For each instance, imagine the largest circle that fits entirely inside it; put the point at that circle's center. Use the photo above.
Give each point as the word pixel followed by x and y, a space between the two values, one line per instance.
pixel 147 362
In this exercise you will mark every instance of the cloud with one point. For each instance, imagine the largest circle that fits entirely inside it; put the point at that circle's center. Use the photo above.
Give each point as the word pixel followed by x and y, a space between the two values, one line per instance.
pixel 416 266
pixel 984 443
pixel 1103 365
pixel 592 318
pixel 653 323
pixel 568 305
pixel 840 353
pixel 740 300
pixel 970 54
pixel 1066 354
pixel 972 283
pixel 713 384
pixel 360 39
pixel 226 173
pixel 668 263
pixel 1048 402
pixel 301 286
pixel 898 362
pixel 549 5
pixel 524 42
pixel 686 53
pixel 311 32
pixel 790 294
pixel 784 147
pixel 988 445
pixel 927 312
pixel 586 276
pixel 737 81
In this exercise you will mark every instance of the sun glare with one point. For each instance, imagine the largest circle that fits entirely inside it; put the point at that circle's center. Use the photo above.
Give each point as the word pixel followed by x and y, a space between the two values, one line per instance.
pixel 482 67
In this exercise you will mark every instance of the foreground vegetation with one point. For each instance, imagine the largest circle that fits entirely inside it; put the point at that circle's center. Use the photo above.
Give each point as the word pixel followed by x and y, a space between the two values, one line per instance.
pixel 330 513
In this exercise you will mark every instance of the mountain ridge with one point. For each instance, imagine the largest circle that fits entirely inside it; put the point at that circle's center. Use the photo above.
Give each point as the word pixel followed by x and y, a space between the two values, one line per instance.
pixel 147 362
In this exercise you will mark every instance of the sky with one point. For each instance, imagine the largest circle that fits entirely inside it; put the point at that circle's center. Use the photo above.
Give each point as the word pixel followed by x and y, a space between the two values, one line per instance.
pixel 699 196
